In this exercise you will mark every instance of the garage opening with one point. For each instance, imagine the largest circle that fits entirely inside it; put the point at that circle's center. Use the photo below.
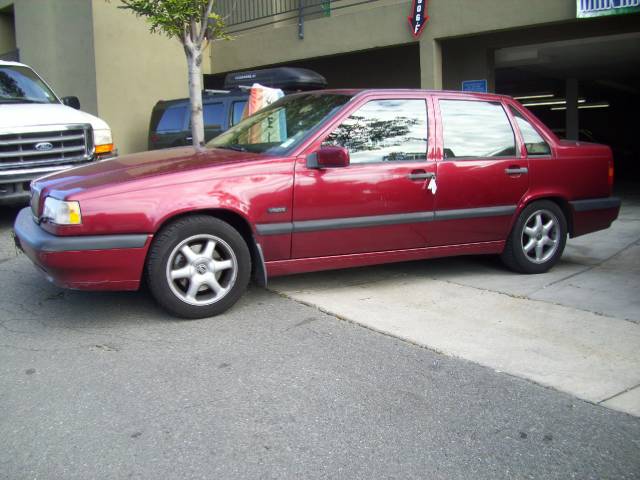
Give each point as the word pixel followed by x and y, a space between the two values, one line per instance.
pixel 584 89
pixel 581 78
pixel 390 67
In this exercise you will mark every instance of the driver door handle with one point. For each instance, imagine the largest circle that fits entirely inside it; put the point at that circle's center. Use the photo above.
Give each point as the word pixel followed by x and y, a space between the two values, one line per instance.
pixel 516 170
pixel 421 175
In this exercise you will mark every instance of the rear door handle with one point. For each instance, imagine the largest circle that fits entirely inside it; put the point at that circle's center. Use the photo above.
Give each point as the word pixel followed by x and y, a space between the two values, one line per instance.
pixel 421 175
pixel 516 170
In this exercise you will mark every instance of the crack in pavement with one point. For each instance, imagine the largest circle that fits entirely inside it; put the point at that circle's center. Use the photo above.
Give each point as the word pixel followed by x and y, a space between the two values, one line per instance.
pixel 615 395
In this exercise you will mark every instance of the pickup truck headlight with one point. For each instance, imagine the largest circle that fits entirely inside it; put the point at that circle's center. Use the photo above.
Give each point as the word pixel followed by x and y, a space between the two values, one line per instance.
pixel 61 212
pixel 103 142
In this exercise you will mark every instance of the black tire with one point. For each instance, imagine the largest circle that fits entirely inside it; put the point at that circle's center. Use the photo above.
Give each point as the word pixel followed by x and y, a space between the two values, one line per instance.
pixel 542 255
pixel 224 273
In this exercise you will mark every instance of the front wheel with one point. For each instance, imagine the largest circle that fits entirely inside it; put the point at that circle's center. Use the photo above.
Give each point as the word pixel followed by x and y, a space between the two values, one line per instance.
pixel 537 240
pixel 198 267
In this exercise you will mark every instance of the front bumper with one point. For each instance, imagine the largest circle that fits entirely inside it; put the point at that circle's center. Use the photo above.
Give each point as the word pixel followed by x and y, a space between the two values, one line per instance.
pixel 87 262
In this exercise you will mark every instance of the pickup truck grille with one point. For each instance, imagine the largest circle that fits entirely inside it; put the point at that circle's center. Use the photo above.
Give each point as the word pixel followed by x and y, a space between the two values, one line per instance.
pixel 45 145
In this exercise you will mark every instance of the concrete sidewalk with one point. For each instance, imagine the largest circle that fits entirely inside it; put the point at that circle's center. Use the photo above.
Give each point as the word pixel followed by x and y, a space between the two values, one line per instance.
pixel 575 329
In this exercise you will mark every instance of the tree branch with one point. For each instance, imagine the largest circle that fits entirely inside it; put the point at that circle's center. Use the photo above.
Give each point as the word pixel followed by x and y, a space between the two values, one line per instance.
pixel 205 22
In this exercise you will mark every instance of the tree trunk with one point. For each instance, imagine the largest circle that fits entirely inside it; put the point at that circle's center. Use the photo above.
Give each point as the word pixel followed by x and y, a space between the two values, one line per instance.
pixel 194 60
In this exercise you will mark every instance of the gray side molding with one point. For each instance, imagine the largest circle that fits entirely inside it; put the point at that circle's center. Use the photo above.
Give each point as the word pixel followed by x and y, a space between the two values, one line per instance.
pixel 380 220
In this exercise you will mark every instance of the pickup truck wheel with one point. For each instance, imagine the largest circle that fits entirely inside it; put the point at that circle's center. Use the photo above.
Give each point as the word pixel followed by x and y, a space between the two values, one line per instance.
pixel 537 240
pixel 198 267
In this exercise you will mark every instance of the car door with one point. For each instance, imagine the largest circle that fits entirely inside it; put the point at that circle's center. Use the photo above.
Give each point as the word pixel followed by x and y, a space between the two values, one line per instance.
pixel 482 172
pixel 379 201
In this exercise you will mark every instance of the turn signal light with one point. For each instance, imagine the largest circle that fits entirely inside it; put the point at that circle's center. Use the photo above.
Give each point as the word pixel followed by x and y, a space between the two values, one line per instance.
pixel 104 148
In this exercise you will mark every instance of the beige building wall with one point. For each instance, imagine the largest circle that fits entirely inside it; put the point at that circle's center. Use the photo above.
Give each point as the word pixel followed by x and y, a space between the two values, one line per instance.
pixel 56 39
pixel 384 23
pixel 134 69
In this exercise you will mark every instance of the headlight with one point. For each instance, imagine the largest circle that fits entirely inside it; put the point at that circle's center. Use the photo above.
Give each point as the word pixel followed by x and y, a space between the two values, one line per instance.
pixel 103 142
pixel 61 212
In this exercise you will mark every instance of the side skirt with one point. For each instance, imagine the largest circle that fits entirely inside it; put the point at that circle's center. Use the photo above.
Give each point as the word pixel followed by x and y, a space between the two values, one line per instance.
pixel 315 264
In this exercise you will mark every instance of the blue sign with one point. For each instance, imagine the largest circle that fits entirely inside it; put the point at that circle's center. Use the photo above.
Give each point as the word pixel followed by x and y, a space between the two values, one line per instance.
pixel 479 86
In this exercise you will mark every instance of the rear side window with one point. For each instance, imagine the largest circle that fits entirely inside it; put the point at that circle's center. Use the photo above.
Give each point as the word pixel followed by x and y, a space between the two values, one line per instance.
pixel 238 109
pixel 533 141
pixel 473 129
pixel 213 114
pixel 173 119
pixel 384 131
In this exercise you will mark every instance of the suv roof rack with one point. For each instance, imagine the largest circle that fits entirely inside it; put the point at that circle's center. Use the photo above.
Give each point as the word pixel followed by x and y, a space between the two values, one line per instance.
pixel 286 78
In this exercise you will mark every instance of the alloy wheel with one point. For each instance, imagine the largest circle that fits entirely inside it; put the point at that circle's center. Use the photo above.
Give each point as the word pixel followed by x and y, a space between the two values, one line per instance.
pixel 202 269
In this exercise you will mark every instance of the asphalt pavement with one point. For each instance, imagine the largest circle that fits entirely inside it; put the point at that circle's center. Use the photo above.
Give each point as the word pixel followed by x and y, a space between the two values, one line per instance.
pixel 107 385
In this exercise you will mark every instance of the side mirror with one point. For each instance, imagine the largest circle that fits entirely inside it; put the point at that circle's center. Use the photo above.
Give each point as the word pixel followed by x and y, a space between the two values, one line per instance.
pixel 72 102
pixel 329 157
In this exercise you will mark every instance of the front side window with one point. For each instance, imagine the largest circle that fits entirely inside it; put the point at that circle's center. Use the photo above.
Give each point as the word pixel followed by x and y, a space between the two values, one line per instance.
pixel 473 129
pixel 533 141
pixel 173 119
pixel 384 131
pixel 281 126
pixel 213 114
pixel 21 85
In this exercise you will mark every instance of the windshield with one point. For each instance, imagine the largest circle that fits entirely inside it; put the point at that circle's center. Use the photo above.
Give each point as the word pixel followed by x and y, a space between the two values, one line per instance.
pixel 282 125
pixel 22 85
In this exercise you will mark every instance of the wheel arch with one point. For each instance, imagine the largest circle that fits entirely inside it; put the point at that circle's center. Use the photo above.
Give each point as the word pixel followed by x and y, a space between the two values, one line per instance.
pixel 242 225
pixel 559 200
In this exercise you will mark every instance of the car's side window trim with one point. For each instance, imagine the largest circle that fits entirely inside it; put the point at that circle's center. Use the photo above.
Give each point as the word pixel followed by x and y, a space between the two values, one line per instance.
pixel 438 112
pixel 323 137
pixel 513 111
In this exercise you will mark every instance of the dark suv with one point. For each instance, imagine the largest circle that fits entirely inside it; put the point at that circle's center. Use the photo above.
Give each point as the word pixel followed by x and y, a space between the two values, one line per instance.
pixel 170 124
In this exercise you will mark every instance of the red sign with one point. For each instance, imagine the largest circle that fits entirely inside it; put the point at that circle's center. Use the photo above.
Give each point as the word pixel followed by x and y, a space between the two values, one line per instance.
pixel 419 17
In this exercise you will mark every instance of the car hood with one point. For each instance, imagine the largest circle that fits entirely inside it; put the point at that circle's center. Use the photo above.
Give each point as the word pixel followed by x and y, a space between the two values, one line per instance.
pixel 174 162
pixel 16 115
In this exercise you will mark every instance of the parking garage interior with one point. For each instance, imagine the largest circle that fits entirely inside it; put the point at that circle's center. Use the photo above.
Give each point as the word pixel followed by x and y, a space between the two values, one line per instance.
pixel 606 88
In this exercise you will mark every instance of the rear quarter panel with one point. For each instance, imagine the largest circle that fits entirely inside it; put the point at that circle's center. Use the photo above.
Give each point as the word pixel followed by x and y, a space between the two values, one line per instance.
pixel 576 171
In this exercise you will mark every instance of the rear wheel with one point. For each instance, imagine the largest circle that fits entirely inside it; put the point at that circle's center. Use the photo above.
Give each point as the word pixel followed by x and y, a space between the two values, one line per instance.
pixel 537 240
pixel 198 267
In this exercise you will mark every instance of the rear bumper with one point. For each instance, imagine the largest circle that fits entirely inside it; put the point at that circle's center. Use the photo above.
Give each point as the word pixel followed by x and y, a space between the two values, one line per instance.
pixel 95 262
pixel 593 214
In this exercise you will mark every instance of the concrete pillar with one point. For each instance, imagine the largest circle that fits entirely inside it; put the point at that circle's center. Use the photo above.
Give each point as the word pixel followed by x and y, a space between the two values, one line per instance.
pixel 430 64
pixel 571 94
pixel 467 59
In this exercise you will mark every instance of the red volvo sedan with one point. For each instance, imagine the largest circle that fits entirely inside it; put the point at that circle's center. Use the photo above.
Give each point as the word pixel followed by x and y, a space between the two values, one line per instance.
pixel 321 180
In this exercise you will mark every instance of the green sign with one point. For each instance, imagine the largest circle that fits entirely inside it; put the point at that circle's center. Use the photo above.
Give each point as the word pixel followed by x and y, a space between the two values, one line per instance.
pixel 599 8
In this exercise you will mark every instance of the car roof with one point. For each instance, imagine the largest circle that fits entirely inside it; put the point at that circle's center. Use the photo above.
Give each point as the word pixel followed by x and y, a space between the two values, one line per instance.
pixel 18 64
pixel 395 91
pixel 212 95
pixel 361 92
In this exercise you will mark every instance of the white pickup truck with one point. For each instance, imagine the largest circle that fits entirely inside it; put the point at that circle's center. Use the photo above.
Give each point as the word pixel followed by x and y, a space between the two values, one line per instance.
pixel 41 133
